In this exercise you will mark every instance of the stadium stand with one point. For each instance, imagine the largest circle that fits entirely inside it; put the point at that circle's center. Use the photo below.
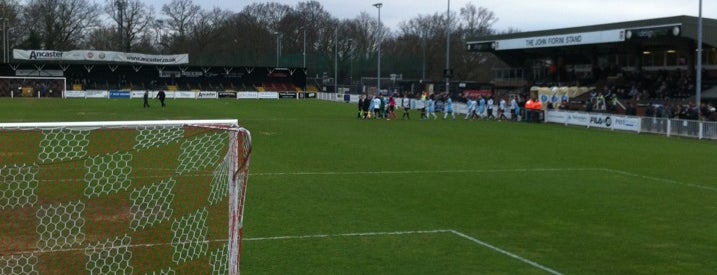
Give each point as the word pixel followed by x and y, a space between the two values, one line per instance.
pixel 644 62
pixel 132 77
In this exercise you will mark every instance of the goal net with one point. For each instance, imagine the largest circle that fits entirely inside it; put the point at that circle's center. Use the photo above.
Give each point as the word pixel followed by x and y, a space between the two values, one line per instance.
pixel 19 86
pixel 144 197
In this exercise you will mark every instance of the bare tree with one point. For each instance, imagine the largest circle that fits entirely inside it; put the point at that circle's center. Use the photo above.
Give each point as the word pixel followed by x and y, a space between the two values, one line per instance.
pixel 242 40
pixel 207 26
pixel 10 11
pixel 424 34
pixel 182 15
pixel 59 24
pixel 268 14
pixel 476 21
pixel 430 31
pixel 101 38
pixel 132 17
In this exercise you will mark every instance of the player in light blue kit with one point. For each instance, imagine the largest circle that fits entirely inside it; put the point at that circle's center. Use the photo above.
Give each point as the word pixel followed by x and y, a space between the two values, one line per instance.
pixel 481 107
pixel 431 108
pixel 470 108
pixel 449 108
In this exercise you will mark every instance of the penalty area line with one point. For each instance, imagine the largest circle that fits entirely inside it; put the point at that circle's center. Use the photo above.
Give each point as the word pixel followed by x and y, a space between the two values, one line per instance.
pixel 656 179
pixel 437 231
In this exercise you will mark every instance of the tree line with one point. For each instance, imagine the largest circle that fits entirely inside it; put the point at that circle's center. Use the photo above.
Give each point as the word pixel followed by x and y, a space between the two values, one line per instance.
pixel 256 35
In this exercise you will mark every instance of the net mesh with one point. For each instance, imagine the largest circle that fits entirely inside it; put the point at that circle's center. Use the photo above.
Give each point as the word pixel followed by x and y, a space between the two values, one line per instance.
pixel 143 199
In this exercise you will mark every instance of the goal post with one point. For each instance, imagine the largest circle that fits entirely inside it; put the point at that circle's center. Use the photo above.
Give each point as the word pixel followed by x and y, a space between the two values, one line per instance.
pixel 143 197
pixel 32 86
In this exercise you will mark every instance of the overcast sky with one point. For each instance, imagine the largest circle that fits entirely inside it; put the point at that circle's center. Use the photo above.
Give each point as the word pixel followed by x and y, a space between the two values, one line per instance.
pixel 525 15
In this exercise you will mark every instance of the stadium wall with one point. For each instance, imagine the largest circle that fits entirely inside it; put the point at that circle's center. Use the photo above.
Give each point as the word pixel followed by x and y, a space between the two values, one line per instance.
pixel 88 94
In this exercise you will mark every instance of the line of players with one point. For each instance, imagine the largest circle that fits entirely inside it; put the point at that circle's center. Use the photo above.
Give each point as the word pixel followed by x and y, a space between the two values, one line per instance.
pixel 380 107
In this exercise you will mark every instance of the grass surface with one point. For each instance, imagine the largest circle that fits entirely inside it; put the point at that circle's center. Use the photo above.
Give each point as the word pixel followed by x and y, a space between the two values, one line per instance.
pixel 567 200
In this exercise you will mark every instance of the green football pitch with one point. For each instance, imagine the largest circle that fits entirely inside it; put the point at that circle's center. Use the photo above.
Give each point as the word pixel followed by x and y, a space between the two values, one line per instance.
pixel 332 194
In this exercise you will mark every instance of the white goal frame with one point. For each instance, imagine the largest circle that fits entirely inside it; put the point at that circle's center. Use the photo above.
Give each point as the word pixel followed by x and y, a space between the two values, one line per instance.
pixel 13 90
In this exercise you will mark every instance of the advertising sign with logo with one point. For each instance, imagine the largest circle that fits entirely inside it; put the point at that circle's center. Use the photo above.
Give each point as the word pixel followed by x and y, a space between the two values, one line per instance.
pixel 119 94
pixel 103 56
pixel 228 94
pixel 268 95
pixel 247 95
pixel 627 124
pixel 207 95
pixel 138 94
pixel 595 120
pixel 556 117
pixel 578 119
pixel 600 121
pixel 290 95
pixel 477 93
pixel 185 95
pixel 96 94
pixel 74 94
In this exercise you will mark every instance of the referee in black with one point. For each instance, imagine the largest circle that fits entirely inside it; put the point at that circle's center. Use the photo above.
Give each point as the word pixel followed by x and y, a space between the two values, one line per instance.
pixel 161 97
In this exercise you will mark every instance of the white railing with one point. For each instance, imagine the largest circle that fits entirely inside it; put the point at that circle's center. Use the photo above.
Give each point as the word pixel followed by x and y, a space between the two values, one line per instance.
pixel 661 126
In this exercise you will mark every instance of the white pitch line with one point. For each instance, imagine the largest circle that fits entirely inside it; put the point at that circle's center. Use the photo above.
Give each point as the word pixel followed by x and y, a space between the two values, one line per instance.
pixel 504 252
pixel 517 170
pixel 321 236
pixel 63 250
pixel 625 173
pixel 454 232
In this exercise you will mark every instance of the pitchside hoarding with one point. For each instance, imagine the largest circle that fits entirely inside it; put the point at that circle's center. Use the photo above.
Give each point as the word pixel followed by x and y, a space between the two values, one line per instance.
pixel 119 94
pixel 595 120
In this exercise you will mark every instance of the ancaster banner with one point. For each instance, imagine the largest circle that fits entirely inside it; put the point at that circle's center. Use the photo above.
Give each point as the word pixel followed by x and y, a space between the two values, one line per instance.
pixel 100 56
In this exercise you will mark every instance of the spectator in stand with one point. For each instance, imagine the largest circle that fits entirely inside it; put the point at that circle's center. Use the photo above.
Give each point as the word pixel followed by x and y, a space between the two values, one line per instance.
pixel 600 102
pixel 633 92
pixel 650 112
pixel 564 105
pixel 589 106
pixel 630 109
pixel 692 114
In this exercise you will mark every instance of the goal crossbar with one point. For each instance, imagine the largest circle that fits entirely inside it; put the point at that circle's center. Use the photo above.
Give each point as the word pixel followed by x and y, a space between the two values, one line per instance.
pixel 227 122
